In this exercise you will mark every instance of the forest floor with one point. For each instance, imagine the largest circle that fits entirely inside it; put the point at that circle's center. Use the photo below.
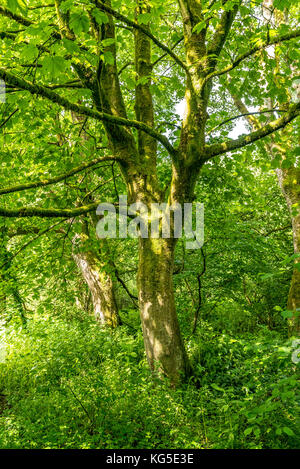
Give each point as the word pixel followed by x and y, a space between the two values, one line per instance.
pixel 70 384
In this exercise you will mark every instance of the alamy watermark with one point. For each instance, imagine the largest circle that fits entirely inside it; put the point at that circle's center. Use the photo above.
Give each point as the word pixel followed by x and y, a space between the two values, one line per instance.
pixel 296 352
pixel 156 221
pixel 2 342
pixel 2 91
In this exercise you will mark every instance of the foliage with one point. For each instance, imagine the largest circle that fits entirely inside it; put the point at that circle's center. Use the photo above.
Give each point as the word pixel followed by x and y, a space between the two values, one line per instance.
pixel 66 382
pixel 72 385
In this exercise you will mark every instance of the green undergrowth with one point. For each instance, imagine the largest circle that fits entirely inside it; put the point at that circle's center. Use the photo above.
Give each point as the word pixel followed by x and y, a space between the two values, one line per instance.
pixel 71 384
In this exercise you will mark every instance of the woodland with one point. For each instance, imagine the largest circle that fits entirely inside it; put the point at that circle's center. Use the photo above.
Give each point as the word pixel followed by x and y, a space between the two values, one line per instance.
pixel 141 343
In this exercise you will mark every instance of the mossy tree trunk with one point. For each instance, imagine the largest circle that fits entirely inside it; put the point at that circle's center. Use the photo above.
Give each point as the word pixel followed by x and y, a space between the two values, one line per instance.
pixel 163 342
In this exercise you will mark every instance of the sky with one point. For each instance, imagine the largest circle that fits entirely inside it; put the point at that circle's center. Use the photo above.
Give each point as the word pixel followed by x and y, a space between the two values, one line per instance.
pixel 238 129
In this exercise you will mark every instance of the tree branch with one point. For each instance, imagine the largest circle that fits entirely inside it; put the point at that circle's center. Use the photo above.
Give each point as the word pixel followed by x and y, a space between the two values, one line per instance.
pixel 25 212
pixel 18 18
pixel 166 53
pixel 54 180
pixel 253 50
pixel 244 114
pixel 230 145
pixel 144 109
pixel 8 118
pixel 220 36
pixel 135 25
pixel 83 110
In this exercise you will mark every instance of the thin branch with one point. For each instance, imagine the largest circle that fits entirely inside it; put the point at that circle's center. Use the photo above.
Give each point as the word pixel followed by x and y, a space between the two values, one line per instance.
pixel 54 180
pixel 277 39
pixel 200 274
pixel 50 5
pixel 35 230
pixel 133 298
pixel 4 34
pixel 75 84
pixel 165 54
pixel 275 230
pixel 8 118
pixel 230 145
pixel 124 67
pixel 243 115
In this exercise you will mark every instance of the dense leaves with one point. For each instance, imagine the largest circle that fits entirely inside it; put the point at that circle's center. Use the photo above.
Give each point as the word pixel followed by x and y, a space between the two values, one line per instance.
pixel 65 380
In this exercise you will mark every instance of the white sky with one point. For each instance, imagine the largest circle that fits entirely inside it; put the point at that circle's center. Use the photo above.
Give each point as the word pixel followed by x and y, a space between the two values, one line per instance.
pixel 238 129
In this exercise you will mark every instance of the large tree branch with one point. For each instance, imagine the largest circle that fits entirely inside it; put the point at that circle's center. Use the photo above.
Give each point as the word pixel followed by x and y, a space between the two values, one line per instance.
pixel 231 145
pixel 222 30
pixel 276 40
pixel 144 109
pixel 249 116
pixel 135 25
pixel 14 16
pixel 63 21
pixel 83 110
pixel 6 35
pixel 54 180
pixel 25 212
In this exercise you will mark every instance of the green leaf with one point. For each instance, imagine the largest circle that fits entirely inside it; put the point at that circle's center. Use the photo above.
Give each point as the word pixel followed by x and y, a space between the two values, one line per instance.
pixel 79 23
pixel 199 27
pixel 108 57
pixel 66 5
pixel 248 431
pixel 99 16
pixel 108 42
pixel 288 431
pixel 54 65
pixel 144 18
pixel 71 46
pixel 12 5
pixel 287 314
pixel 215 386
pixel 29 52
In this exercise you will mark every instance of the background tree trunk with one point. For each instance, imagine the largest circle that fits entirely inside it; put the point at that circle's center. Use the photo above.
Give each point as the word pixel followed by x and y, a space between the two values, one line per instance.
pixel 101 286
pixel 289 181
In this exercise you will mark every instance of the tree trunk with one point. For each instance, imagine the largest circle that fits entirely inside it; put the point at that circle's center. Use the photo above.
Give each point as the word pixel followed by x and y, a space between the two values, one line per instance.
pixel 163 343
pixel 289 181
pixel 101 286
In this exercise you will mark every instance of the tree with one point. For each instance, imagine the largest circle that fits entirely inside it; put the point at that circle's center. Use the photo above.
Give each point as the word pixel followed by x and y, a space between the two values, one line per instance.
pixel 81 49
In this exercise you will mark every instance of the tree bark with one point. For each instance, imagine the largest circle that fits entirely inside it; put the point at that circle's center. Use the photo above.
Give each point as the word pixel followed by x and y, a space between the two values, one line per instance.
pixel 289 181
pixel 163 343
pixel 101 286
